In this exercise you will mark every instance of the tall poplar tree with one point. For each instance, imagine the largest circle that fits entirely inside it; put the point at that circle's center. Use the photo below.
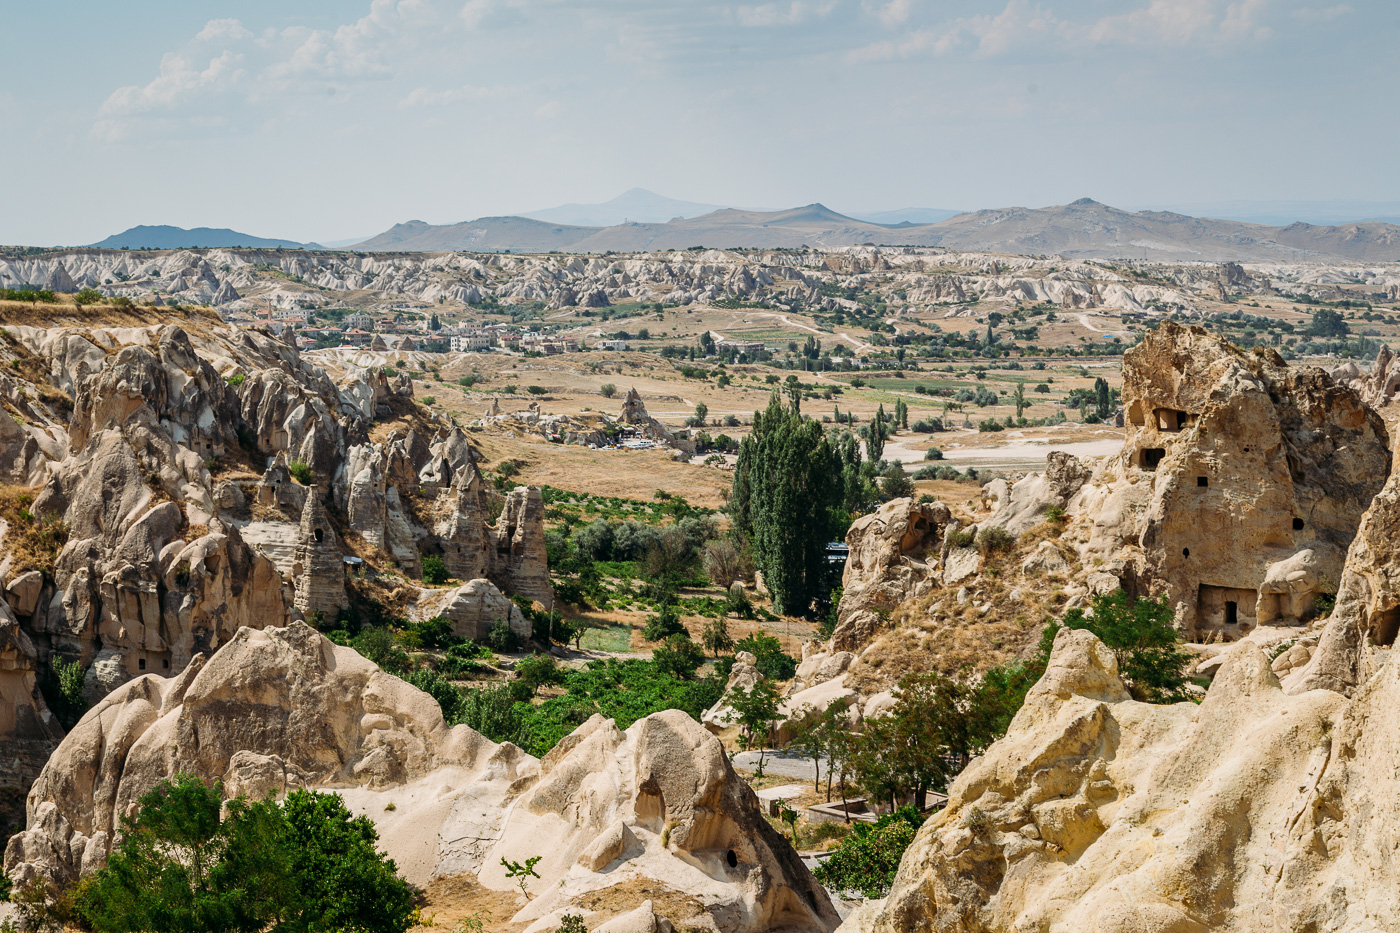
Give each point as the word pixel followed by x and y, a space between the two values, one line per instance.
pixel 788 486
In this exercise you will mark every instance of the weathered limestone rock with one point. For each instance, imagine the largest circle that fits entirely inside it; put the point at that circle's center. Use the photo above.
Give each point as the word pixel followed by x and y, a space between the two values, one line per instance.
pixel 280 701
pixel 28 731
pixel 1250 461
pixel 284 708
pixel 893 554
pixel 1044 560
pixel 1026 503
pixel 462 531
pixel 687 821
pixel 1255 811
pixel 742 677
pixel 474 608
pixel 519 564
pixel 319 568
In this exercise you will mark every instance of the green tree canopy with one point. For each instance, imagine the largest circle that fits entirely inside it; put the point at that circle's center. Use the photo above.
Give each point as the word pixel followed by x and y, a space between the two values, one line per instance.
pixel 786 494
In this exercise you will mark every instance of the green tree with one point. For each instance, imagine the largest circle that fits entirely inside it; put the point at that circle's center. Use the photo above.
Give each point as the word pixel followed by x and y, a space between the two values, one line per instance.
pixel 301 472
pixel 87 296
pixel 607 390
pixel 1327 322
pixel 434 570
pixel 306 866
pixel 867 860
pixel 786 490
pixel 1145 642
pixel 1020 398
pixel 755 710
pixel 1103 398
pixel 896 484
pixel 875 440
pixel 664 624
pixel 701 411
pixel 679 656
pixel 715 636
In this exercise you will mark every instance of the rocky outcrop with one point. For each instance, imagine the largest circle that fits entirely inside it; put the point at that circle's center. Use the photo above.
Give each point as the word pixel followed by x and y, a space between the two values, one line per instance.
pixel 1029 500
pixel 272 710
pixel 1254 811
pixel 518 563
pixel 276 709
pixel 32 731
pixel 894 553
pixel 474 608
pixel 1241 462
pixel 659 801
pixel 319 567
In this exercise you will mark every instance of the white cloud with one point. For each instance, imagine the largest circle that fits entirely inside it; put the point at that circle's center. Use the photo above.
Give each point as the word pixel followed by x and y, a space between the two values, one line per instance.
pixel 216 29
pixel 550 110
pixel 492 14
pixel 776 14
pixel 1020 22
pixel 895 12
pixel 1180 22
pixel 179 79
pixel 1023 24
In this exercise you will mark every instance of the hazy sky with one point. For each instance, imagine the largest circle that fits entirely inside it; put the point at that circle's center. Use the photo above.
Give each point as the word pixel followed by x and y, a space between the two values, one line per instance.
pixel 320 120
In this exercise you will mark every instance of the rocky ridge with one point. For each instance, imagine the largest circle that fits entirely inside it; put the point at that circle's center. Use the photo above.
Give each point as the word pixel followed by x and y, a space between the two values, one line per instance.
pixel 152 512
pixel 909 278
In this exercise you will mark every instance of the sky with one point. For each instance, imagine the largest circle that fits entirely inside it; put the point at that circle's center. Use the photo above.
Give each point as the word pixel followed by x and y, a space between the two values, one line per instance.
pixel 317 120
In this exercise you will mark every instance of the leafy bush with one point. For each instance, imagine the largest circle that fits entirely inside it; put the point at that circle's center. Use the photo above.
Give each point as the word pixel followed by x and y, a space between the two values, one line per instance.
pixel 90 296
pixel 607 390
pixel 664 624
pixel 236 380
pixel 963 537
pixel 305 866
pixel 436 633
pixel 434 570
pixel 933 453
pixel 990 424
pixel 492 712
pixel 867 859
pixel 377 644
pixel 502 638
pixel 429 400
pixel 536 390
pixel 927 426
pixel 995 540
pixel 301 472
pixel 62 687
pixel 773 662
pixel 439 688
pixel 539 670
pixel 679 656
pixel 622 690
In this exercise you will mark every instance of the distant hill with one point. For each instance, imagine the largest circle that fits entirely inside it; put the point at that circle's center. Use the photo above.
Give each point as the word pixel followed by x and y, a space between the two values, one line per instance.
pixel 905 215
pixel 638 205
pixel 1084 229
pixel 166 237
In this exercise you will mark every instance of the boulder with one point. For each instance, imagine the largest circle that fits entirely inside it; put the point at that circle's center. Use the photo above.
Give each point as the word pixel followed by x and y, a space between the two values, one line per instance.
pixel 1044 560
pixel 474 608
pixel 1026 504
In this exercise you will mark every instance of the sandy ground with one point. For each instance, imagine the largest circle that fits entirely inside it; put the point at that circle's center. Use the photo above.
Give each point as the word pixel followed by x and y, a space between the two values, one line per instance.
pixel 1006 450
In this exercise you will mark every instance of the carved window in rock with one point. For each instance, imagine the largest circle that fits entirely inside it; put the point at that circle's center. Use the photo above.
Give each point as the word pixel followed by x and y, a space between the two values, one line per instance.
pixel 1384 627
pixel 1148 457
pixel 1170 420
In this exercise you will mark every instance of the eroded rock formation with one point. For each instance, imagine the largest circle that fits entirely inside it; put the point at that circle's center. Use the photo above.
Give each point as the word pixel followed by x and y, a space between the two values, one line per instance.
pixel 283 708
pixel 1253 811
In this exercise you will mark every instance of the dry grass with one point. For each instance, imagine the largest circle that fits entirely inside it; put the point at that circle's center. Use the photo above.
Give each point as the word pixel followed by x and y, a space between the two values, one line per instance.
pixel 935 633
pixel 33 542
pixel 67 314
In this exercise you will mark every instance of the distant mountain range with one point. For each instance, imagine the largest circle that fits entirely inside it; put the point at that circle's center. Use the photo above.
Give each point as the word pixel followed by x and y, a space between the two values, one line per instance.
pixel 638 205
pixel 166 237
pixel 1084 229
